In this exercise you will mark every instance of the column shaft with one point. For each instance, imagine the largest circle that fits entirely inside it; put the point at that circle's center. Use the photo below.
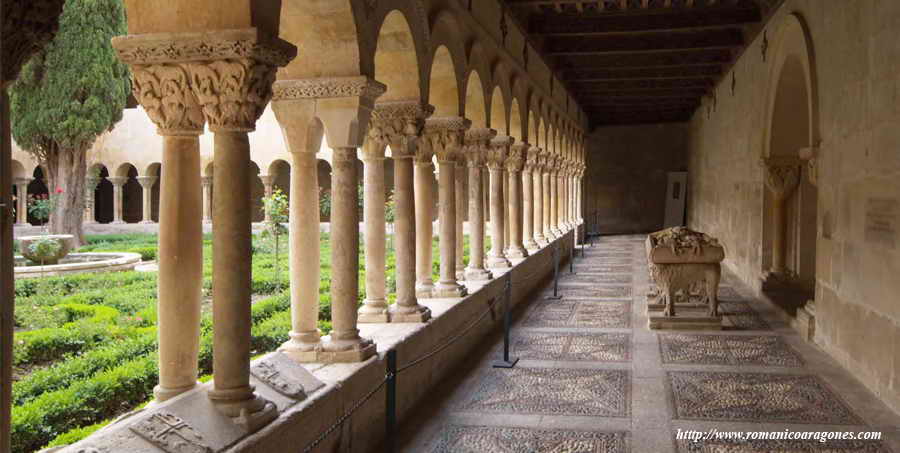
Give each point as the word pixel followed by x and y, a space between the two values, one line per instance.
pixel 304 258
pixel 459 174
pixel 778 235
pixel 539 234
pixel 344 341
pixel 118 201
pixel 22 204
pixel 180 266
pixel 476 271
pixel 375 308
pixel 507 241
pixel 423 197
pixel 528 214
pixel 407 308
pixel 514 204
pixel 447 285
pixel 207 199
pixel 496 258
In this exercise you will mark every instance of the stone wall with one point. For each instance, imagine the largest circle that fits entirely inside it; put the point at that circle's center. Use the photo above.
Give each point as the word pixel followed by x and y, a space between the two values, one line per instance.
pixel 854 60
pixel 626 176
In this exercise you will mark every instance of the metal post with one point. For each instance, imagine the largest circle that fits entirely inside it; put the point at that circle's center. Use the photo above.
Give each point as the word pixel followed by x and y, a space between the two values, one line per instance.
pixel 390 394
pixel 556 295
pixel 572 260
pixel 506 362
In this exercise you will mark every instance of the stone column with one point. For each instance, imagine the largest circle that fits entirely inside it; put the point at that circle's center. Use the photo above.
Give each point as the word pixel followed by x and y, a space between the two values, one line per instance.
pixel 459 173
pixel 207 182
pixel 400 123
pixel 344 341
pixel 554 193
pixel 22 201
pixel 424 171
pixel 560 197
pixel 180 257
pixel 146 183
pixel 118 182
pixel 504 201
pixel 547 204
pixel 445 136
pixel 375 308
pixel 496 159
pixel 477 141
pixel 268 182
pixel 528 214
pixel 233 89
pixel 538 187
pixel 513 167
pixel 782 177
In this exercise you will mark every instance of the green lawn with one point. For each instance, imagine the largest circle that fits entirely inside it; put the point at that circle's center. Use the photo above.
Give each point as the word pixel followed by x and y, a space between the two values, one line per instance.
pixel 85 345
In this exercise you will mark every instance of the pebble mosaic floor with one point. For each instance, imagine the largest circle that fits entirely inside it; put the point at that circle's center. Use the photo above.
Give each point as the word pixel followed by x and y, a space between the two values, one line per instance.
pixel 593 378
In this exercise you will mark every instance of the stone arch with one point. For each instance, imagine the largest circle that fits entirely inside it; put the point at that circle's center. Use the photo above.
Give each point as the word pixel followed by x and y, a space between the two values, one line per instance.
pixel 257 192
pixel 103 195
pixel 476 63
pixel 790 219
pixel 498 119
pixel 18 170
pixel 154 169
pixel 444 89
pixel 401 44
pixel 327 32
pixel 515 122
pixel 280 171
pixel 132 194
pixel 475 101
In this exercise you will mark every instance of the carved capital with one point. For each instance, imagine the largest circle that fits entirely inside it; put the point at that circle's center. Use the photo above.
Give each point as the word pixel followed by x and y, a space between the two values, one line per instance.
pixel 445 136
pixel 499 151
pixel 782 176
pixel 533 159
pixel 328 87
pixel 478 140
pixel 117 181
pixel 398 123
pixel 164 90
pixel 516 158
pixel 147 182
pixel 232 93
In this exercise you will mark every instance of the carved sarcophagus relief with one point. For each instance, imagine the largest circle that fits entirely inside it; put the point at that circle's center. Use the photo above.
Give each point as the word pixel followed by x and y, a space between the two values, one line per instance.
pixel 685 263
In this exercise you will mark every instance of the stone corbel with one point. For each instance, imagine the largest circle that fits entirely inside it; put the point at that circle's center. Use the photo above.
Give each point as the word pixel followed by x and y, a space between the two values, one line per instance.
pixel 782 175
pixel 811 157
pixel 446 136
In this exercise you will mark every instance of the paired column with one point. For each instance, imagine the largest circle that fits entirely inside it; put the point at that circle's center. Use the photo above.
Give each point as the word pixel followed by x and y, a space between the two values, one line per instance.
pixel 424 200
pixel 459 174
pixel 22 201
pixel 529 215
pixel 207 182
pixel 537 176
pixel 118 183
pixel 147 183
pixel 513 167
pixel 546 163
pixel 496 159
pixel 445 136
pixel 375 307
pixel 268 182
pixel 560 196
pixel 782 178
pixel 477 143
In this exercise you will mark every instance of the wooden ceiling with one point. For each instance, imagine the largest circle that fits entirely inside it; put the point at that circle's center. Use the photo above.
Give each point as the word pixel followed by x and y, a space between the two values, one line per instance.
pixel 641 61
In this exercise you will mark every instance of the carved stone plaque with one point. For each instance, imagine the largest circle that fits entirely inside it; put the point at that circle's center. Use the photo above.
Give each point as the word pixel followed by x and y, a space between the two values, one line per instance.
pixel 170 433
pixel 285 376
pixel 881 221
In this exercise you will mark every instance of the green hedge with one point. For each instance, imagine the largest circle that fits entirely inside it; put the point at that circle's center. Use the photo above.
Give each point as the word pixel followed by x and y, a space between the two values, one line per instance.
pixel 41 345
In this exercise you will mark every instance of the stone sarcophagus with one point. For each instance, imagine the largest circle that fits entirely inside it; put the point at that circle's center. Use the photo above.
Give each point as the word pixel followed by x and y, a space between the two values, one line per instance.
pixel 684 265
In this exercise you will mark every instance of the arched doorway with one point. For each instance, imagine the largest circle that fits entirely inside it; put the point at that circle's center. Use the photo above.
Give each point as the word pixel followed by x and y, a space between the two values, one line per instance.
pixel 103 196
pixel 37 187
pixel 790 204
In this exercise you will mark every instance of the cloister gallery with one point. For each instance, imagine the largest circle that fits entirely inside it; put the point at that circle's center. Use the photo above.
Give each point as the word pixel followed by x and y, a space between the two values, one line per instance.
pixel 541 132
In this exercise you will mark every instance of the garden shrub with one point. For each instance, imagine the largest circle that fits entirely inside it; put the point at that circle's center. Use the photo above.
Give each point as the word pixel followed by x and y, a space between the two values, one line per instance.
pixel 148 253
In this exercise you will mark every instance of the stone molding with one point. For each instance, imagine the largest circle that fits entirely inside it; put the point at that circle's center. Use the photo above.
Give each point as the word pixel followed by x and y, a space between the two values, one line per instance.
pixel 362 87
pixel 781 176
pixel 245 43
pixel 445 136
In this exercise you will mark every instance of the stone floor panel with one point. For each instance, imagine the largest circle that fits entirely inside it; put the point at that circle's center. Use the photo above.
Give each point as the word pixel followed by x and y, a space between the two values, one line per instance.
pixel 600 347
pixel 760 350
pixel 481 439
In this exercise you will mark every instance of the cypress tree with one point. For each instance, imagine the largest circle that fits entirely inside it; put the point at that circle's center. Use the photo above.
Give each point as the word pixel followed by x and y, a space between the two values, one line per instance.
pixel 66 96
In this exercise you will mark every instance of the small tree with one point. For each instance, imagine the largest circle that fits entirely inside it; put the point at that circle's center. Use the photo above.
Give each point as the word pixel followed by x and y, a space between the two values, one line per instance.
pixel 277 207
pixel 324 203
pixel 66 96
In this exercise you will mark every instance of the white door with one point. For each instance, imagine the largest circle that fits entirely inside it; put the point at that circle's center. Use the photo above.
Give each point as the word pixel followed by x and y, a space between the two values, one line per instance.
pixel 675 199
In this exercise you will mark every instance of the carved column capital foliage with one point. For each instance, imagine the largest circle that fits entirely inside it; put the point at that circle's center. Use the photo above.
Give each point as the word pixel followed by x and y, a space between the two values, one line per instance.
pixel 227 74
pixel 478 140
pixel 397 123
pixel 781 176
pixel 533 159
pixel 445 136
pixel 27 27
pixel 499 151
pixel 517 156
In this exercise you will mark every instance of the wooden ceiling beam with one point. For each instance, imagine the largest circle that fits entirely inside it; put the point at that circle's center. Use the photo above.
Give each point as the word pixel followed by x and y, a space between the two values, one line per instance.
pixel 626 44
pixel 665 22
pixel 683 57
pixel 613 85
pixel 576 75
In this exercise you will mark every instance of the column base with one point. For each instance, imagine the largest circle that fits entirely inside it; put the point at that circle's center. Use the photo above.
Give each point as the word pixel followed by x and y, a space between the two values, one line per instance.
pixel 162 394
pixel 460 273
pixel 449 290
pixel 498 262
pixel 531 246
pixel 251 413
pixel 478 275
pixel 117 222
pixel 146 222
pixel 424 290
pixel 301 352
pixel 21 225
pixel 417 313
pixel 373 311
pixel 541 241
pixel 516 252
pixel 345 351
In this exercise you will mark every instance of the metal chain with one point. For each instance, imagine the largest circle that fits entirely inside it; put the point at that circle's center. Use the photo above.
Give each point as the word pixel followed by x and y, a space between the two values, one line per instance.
pixel 340 421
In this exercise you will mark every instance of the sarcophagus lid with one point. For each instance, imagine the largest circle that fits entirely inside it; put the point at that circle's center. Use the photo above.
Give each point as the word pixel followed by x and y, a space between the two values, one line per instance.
pixel 681 245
